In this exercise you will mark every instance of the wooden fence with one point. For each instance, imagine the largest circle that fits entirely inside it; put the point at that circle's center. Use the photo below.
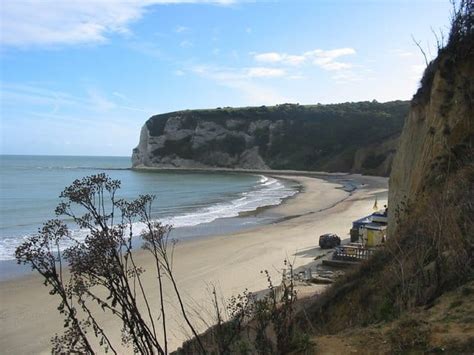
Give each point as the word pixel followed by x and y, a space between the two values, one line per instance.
pixel 352 253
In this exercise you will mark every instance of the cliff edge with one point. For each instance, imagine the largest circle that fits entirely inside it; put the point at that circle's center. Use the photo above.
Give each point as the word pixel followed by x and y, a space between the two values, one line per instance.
pixel 351 137
pixel 437 138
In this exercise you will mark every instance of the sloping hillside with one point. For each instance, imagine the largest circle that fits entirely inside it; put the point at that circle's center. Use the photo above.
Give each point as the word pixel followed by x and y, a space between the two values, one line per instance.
pixel 349 137
pixel 430 247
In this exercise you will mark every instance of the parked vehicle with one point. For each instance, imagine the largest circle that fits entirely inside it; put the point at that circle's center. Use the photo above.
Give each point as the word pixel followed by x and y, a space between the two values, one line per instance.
pixel 329 240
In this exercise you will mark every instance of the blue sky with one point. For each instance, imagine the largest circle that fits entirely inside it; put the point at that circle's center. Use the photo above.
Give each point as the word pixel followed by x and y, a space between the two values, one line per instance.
pixel 81 77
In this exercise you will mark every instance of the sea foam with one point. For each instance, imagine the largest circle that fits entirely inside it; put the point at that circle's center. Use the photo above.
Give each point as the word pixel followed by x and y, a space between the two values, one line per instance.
pixel 267 192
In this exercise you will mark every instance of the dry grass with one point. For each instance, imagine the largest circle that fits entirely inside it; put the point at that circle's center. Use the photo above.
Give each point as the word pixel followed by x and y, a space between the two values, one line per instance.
pixel 443 328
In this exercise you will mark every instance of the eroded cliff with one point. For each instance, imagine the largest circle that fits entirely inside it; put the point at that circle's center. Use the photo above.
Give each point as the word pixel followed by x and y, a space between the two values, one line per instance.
pixel 350 137
pixel 430 242
pixel 438 135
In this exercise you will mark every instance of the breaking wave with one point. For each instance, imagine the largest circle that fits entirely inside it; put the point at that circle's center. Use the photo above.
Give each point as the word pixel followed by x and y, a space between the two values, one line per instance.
pixel 267 192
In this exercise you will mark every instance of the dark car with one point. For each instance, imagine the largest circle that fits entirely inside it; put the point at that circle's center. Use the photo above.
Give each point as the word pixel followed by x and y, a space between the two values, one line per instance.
pixel 329 240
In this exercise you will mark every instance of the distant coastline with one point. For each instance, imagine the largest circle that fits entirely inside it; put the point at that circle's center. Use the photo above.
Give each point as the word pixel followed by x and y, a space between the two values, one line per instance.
pixel 239 170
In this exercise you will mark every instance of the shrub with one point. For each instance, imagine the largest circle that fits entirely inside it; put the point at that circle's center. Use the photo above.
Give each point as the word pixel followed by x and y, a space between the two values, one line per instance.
pixel 103 264
pixel 408 335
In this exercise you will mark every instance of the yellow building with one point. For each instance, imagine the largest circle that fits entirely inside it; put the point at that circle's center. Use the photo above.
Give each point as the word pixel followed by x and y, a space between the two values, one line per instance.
pixel 374 234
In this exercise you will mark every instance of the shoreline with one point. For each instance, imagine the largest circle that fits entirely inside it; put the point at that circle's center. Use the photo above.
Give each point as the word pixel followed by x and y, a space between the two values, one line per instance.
pixel 267 208
pixel 19 272
pixel 231 262
pixel 240 170
pixel 9 269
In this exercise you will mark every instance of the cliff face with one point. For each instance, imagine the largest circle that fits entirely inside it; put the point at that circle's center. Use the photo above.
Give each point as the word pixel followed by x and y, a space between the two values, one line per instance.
pixel 202 143
pixel 430 242
pixel 437 137
pixel 356 137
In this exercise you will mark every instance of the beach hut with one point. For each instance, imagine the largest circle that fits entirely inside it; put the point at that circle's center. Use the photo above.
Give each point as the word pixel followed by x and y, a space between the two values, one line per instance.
pixel 380 216
pixel 374 234
pixel 356 228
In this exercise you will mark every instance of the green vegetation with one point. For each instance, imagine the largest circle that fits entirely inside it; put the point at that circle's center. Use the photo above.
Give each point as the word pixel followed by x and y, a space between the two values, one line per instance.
pixel 293 136
pixel 253 324
pixel 373 161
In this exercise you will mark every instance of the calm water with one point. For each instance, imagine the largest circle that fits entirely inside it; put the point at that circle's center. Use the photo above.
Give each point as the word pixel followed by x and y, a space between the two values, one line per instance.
pixel 30 186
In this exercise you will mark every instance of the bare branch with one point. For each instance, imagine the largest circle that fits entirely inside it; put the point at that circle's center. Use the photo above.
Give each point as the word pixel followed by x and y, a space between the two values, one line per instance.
pixel 417 43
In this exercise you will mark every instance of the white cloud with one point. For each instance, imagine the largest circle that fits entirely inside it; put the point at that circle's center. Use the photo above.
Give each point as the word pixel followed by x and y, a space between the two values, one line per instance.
pixel 50 102
pixel 219 73
pixel 58 22
pixel 178 72
pixel 21 95
pixel 244 81
pixel 274 57
pixel 271 57
pixel 262 72
pixel 100 101
pixel 325 59
pixel 294 59
pixel 332 53
pixel 120 96
pixel 322 58
pixel 181 29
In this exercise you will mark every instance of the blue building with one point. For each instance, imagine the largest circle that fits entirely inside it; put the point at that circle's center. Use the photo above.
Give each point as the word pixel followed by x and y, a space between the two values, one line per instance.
pixel 378 218
pixel 355 230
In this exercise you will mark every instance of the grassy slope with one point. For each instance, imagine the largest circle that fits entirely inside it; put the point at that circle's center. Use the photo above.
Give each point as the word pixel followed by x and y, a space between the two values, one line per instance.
pixel 447 326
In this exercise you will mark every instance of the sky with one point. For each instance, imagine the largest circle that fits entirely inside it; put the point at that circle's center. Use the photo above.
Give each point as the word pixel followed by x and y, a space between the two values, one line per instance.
pixel 81 77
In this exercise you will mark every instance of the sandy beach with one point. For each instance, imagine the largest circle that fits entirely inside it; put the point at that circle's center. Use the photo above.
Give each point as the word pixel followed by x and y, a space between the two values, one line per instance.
pixel 230 262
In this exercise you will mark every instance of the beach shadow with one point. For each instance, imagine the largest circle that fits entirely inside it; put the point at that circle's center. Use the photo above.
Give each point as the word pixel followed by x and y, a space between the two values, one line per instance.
pixel 310 252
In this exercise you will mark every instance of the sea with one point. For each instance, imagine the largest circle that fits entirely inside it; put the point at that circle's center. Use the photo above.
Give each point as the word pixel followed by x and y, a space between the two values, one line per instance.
pixel 196 204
